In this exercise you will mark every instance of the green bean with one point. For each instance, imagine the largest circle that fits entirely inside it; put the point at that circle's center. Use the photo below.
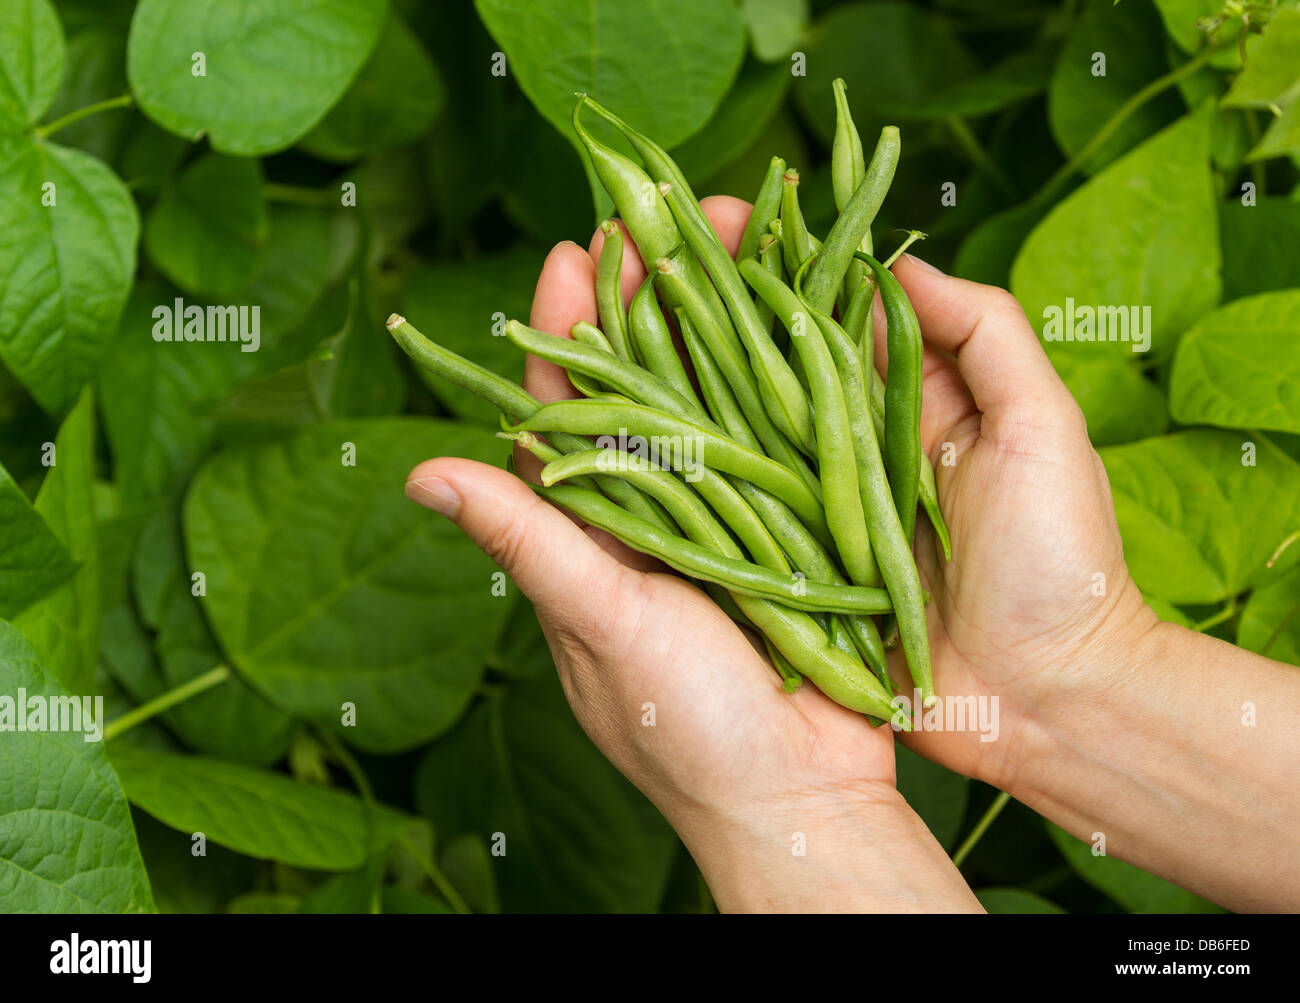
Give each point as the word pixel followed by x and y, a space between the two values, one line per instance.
pixel 718 396
pixel 790 678
pixel 796 247
pixel 783 397
pixel 589 417
pixel 653 341
pixel 846 235
pixel 769 256
pixel 848 168
pixel 514 402
pixel 766 206
pixel 835 453
pixel 761 594
pixel 892 546
pixel 609 291
pixel 623 377
pixel 902 397
pixel 730 357
pixel 738 576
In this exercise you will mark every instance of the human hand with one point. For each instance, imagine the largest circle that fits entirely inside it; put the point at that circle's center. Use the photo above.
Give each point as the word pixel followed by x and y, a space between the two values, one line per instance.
pixel 739 767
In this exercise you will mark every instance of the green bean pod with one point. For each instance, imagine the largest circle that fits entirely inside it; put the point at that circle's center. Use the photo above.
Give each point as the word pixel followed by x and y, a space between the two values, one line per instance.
pixel 718 395
pixel 902 397
pixel 653 341
pixel 767 204
pixel 848 168
pixel 713 556
pixel 590 417
pixel 769 256
pixel 609 291
pixel 796 246
pixel 835 453
pixel 832 261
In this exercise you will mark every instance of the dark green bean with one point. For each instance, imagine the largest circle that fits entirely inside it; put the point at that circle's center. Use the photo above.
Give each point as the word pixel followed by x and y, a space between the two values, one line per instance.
pixel 766 206
pixel 653 340
pixel 609 291
pixel 796 247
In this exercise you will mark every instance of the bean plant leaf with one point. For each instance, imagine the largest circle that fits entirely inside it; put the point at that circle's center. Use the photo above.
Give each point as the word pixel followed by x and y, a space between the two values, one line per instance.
pixel 1183 19
pixel 69 228
pixel 392 102
pixel 326 587
pixel 1020 76
pixel 1282 138
pixel 663 65
pixel 66 840
pixel 1005 901
pixel 33 560
pixel 1120 404
pixel 64 626
pixel 1202 511
pixel 464 305
pixel 256 812
pixel 1133 888
pixel 32 52
pixel 1153 214
pixel 1084 95
pixel 1239 368
pixel 937 794
pixel 206 230
pixel 1270 623
pixel 1271 75
pixel 354 893
pixel 253 79
pixel 1259 244
pixel 230 721
pixel 775 26
pixel 574 837
pixel 95 71
pixel 738 121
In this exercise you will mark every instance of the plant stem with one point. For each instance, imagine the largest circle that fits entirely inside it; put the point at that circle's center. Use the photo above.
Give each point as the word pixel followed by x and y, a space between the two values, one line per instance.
pixel 164 701
pixel 968 142
pixel 995 809
pixel 124 101
pixel 1151 90
pixel 297 195
pixel 1227 613
pixel 440 881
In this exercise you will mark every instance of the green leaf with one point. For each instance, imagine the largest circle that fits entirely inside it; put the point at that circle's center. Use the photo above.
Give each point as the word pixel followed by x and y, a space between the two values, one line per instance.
pixel 467 863
pixel 1079 103
pixel 206 230
pixel 1282 138
pixel 1198 524
pixel 1007 901
pixel 348 894
pixel 775 26
pixel 264 904
pixel 574 839
pixel 1142 233
pixel 894 56
pixel 1259 245
pixel 184 883
pixel 326 586
pixel 393 101
pixel 1133 888
pixel 256 812
pixel 272 68
pixel 1272 72
pixel 1120 404
pixel 64 626
pixel 33 560
pixel 663 65
pixel 1239 368
pixel 1270 623
pixel 464 306
pixel 32 52
pixel 989 251
pixel 937 794
pixel 71 264
pixel 66 841
pixel 1019 76
pixel 738 121
pixel 404 902
pixel 231 721
pixel 521 651
pixel 544 185
pixel 1181 18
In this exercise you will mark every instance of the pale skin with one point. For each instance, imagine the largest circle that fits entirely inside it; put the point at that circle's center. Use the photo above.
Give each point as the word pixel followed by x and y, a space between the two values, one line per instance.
pixel 1110 722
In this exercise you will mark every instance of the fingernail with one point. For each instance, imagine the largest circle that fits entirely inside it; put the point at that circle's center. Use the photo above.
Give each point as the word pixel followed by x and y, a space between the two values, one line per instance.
pixel 923 265
pixel 434 493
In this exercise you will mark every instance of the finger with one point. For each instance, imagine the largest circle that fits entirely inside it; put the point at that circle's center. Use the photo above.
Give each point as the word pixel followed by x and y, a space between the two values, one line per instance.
pixel 998 354
pixel 728 216
pixel 538 546
pixel 566 294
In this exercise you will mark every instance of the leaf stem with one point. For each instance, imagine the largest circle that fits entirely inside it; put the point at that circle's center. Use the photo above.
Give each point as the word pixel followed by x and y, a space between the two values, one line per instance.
pixel 1150 91
pixel 298 195
pixel 440 880
pixel 123 101
pixel 994 810
pixel 1227 613
pixel 165 701
pixel 982 161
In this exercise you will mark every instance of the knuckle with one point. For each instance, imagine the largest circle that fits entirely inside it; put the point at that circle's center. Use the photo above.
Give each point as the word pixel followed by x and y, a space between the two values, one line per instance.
pixel 505 544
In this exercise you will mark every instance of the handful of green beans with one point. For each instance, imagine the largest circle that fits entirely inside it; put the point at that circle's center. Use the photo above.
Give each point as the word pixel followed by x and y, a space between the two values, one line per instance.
pixel 777 468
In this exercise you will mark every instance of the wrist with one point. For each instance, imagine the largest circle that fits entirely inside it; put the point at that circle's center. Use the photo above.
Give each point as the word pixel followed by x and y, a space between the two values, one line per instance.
pixel 844 850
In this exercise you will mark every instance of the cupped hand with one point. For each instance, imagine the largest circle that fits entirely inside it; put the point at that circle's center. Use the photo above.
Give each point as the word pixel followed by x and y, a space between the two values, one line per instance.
pixel 1036 603
pixel 669 688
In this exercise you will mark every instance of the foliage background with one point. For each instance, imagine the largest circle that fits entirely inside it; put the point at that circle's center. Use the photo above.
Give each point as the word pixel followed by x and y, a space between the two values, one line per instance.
pixel 323 584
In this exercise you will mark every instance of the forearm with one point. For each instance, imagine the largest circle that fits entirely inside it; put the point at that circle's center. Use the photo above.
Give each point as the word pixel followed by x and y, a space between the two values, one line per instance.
pixel 1187 761
pixel 863 852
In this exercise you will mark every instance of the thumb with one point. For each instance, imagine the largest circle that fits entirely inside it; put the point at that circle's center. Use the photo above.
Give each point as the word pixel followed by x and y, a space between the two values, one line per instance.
pixel 541 549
